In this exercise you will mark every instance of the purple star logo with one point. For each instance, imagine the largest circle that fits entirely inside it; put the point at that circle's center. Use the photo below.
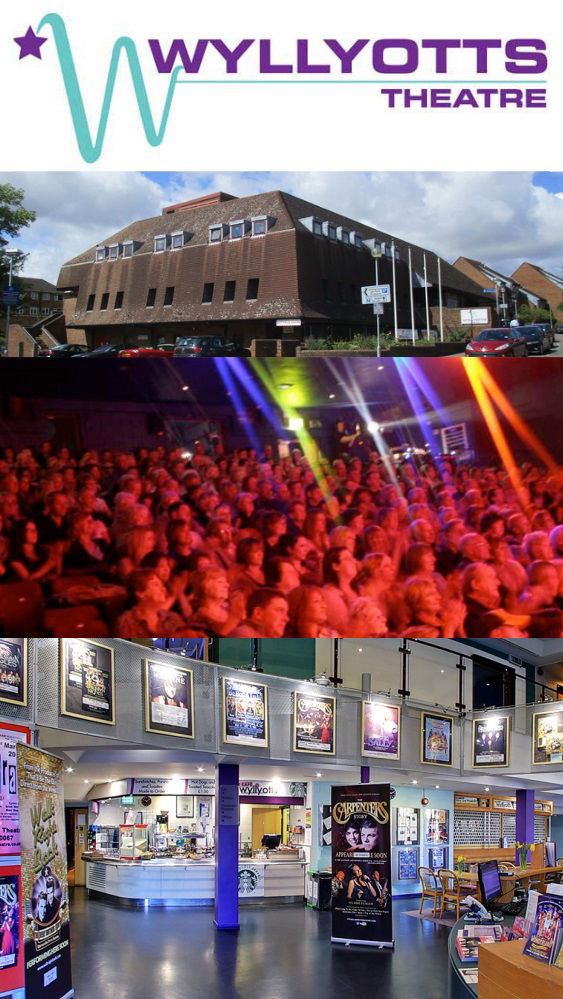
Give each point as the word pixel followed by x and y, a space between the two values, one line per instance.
pixel 30 44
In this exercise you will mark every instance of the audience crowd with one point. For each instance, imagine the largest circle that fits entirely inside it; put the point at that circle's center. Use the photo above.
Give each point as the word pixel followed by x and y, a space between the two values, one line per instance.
pixel 160 542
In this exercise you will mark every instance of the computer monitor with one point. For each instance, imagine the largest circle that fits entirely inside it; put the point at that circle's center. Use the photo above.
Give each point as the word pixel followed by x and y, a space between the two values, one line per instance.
pixel 271 842
pixel 489 881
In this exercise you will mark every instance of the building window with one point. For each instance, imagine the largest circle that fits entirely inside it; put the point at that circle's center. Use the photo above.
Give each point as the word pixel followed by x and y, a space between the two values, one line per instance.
pixel 177 240
pixel 207 292
pixel 341 292
pixel 20 312
pixel 104 302
pixel 237 230
pixel 169 296
pixel 45 311
pixel 128 248
pixel 252 289
pixel 229 295
pixel 215 233
pixel 34 311
pixel 317 227
pixel 45 296
pixel 345 235
pixel 358 242
pixel 259 227
pixel 326 293
pixel 113 251
pixel 34 296
pixel 90 303
pixel 159 244
pixel 331 231
pixel 100 253
pixel 151 297
pixel 118 300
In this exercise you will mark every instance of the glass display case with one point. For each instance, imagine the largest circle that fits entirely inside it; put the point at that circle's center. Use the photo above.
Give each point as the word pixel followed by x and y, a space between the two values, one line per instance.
pixel 106 840
pixel 132 841
pixel 406 826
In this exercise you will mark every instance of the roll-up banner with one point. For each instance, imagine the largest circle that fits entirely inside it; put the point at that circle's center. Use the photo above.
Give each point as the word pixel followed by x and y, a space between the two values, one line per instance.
pixel 46 930
pixel 361 865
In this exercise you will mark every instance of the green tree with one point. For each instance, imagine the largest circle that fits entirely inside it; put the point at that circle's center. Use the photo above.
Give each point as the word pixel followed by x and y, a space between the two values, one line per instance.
pixel 13 217
pixel 530 314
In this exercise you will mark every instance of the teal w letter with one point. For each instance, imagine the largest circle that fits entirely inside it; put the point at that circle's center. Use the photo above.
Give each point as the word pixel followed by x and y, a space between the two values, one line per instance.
pixel 90 150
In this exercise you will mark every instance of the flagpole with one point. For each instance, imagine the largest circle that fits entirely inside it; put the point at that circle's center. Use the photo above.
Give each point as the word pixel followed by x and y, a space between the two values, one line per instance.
pixel 426 300
pixel 412 299
pixel 440 299
pixel 394 290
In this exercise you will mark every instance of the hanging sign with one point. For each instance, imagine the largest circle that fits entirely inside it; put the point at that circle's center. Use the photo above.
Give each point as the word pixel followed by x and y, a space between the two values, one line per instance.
pixel 361 865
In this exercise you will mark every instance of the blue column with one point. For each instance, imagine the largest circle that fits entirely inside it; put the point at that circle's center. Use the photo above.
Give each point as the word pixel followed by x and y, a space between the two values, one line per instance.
pixel 226 849
pixel 524 819
pixel 364 775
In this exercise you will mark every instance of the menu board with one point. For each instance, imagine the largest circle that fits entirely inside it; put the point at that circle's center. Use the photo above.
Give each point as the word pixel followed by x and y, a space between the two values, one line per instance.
pixel 437 825
pixel 407 864
pixel 245 712
pixel 13 670
pixel 436 738
pixel 491 741
pixel 169 698
pixel 313 723
pixel 406 825
pixel 547 738
pixel 87 680
pixel 381 727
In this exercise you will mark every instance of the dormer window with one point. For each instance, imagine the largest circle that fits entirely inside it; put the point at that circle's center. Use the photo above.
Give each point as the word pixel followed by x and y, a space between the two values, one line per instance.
pixel 358 242
pixel 113 251
pixel 329 229
pixel 128 248
pixel 178 240
pixel 215 233
pixel 159 244
pixel 259 226
pixel 317 227
pixel 343 234
pixel 236 230
pixel 100 254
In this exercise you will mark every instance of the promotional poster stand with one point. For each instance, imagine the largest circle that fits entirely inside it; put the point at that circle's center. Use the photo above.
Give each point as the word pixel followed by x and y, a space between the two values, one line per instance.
pixel 11 923
pixel 361 865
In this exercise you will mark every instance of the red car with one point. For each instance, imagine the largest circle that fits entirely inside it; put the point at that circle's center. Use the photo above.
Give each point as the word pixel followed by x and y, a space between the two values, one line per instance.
pixel 507 341
pixel 166 350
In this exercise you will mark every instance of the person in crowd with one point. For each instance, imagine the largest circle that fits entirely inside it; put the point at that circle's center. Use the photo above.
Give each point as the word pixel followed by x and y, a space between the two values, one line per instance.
pixel 266 615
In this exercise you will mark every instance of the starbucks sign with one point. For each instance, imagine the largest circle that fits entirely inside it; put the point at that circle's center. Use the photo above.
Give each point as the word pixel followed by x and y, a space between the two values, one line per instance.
pixel 250 881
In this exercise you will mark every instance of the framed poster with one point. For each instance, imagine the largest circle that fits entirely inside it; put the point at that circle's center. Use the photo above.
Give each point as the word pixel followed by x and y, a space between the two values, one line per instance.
pixel 381 730
pixel 491 741
pixel 10 735
pixel 436 739
pixel 406 826
pixel 13 670
pixel 87 680
pixel 407 864
pixel 204 808
pixel 245 712
pixel 437 828
pixel 185 806
pixel 438 857
pixel 314 723
pixel 169 699
pixel 547 738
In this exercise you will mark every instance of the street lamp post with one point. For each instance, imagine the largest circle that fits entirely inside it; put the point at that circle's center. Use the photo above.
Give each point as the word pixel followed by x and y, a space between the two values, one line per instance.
pixel 10 254
pixel 376 254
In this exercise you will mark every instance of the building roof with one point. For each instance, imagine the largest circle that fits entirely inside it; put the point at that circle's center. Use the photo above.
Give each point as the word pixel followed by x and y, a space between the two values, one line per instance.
pixel 490 274
pixel 557 281
pixel 286 210
pixel 37 284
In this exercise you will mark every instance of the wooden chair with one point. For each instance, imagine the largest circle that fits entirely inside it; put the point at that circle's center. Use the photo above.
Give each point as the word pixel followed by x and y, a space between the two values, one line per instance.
pixel 431 887
pixel 453 890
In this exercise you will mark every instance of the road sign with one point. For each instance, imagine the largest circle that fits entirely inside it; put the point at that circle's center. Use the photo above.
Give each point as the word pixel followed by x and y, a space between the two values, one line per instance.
pixel 489 291
pixel 378 310
pixel 10 295
pixel 374 294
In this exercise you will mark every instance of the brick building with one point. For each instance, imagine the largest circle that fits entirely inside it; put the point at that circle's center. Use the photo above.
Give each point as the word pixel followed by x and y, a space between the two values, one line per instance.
pixel 249 268
pixel 38 319
pixel 508 294
pixel 541 282
pixel 40 299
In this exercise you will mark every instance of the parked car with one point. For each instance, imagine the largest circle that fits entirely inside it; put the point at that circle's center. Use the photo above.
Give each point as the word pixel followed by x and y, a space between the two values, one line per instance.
pixel 209 346
pixel 537 339
pixel 503 342
pixel 550 332
pixel 163 350
pixel 63 350
pixel 108 350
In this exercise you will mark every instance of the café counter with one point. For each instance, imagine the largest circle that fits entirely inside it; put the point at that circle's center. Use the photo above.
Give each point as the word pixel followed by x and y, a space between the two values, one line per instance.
pixel 181 881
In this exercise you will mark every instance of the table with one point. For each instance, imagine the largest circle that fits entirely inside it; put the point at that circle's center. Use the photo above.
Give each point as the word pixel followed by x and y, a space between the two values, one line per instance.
pixel 506 973
pixel 508 880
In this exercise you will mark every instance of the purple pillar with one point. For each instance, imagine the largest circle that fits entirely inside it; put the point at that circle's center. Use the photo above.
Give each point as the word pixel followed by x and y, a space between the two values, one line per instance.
pixel 524 819
pixel 226 846
pixel 364 775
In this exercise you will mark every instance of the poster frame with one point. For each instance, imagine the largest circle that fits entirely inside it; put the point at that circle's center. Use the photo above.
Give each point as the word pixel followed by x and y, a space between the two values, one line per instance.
pixel 487 766
pixel 435 763
pixel 63 674
pixel 152 727
pixel 232 740
pixel 325 697
pixel 535 716
pixel 20 702
pixel 376 755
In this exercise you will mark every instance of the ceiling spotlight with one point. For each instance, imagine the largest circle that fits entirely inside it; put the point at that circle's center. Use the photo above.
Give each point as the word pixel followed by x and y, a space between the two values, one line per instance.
pixel 200 770
pixel 323 680
pixel 360 650
pixel 437 787
pixel 285 385
pixel 86 781
pixel 69 770
pixel 373 427
pixel 415 782
pixel 380 367
pixel 185 388
pixel 332 395
pixel 318 775
pixel 487 789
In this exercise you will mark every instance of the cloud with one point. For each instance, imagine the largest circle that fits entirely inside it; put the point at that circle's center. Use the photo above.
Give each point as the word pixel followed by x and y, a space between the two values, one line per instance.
pixel 499 218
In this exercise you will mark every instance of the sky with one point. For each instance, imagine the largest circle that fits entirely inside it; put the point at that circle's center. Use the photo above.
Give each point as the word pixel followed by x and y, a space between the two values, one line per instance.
pixel 498 218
